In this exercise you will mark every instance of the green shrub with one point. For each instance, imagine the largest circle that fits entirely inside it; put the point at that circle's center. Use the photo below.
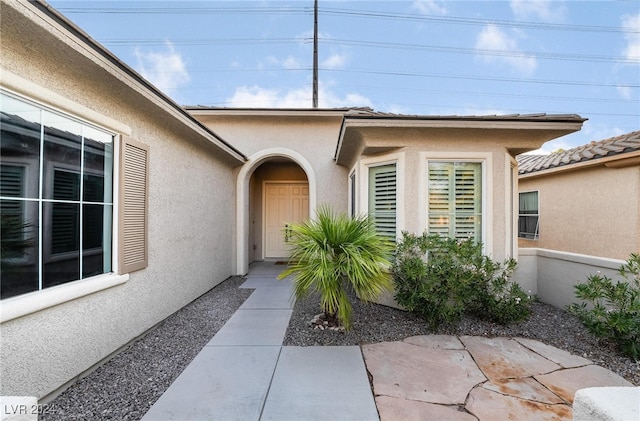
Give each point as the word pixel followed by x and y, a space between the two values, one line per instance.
pixel 334 252
pixel 441 278
pixel 611 310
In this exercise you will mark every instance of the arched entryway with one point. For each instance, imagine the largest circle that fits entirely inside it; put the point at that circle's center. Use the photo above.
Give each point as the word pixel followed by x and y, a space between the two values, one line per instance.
pixel 275 186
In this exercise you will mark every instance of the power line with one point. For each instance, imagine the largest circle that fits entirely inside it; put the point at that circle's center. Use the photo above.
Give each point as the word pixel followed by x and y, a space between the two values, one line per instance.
pixel 478 21
pixel 305 10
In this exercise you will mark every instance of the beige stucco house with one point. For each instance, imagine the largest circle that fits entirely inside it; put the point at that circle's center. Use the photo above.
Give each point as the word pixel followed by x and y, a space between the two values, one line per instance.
pixel 125 206
pixel 579 213
pixel 583 200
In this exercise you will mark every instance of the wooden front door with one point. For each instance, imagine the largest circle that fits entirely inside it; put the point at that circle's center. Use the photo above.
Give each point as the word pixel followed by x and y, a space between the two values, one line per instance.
pixel 284 204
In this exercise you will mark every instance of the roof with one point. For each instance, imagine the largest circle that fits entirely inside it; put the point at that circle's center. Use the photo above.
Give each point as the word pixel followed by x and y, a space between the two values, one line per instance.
pixel 369 113
pixel 613 146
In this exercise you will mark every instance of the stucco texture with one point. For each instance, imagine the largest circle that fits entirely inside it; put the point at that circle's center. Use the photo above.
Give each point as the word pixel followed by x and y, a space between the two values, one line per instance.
pixel 191 196
pixel 593 211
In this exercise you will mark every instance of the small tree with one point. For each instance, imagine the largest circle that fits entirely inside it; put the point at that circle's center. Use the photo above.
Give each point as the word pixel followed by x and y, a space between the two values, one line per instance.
pixel 335 252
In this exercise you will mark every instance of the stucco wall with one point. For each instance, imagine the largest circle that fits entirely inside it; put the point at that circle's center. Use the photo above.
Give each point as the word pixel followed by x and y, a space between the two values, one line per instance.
pixel 552 274
pixel 313 138
pixel 189 224
pixel 594 211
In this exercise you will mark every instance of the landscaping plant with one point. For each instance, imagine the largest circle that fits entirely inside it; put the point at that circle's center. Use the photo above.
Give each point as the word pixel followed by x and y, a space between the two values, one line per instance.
pixel 334 252
pixel 441 278
pixel 611 310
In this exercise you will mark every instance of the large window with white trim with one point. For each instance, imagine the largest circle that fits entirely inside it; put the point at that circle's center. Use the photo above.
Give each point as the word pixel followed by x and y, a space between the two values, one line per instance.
pixel 383 199
pixel 455 199
pixel 56 197
pixel 528 216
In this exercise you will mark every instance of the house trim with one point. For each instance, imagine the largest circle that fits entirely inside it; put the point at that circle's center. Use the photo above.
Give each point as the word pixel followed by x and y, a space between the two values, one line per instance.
pixel 242 197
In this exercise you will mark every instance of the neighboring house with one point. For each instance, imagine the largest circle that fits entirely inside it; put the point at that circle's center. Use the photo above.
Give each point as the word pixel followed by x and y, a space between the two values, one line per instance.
pixel 584 200
pixel 125 207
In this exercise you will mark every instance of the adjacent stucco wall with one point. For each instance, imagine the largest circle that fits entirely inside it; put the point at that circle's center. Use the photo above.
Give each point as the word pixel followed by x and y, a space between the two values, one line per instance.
pixel 552 274
pixel 594 211
pixel 191 200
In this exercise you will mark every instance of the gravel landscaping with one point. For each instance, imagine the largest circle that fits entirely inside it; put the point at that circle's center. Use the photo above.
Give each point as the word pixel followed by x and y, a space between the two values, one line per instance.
pixel 125 387
pixel 376 323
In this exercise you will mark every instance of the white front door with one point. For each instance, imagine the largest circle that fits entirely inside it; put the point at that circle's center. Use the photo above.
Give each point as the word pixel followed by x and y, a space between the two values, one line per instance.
pixel 284 204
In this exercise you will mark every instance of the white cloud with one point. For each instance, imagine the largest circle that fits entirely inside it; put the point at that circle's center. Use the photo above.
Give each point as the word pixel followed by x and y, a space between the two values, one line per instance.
pixel 335 61
pixel 259 97
pixel 492 38
pixel 632 49
pixel 165 69
pixel 624 91
pixel 545 10
pixel 428 7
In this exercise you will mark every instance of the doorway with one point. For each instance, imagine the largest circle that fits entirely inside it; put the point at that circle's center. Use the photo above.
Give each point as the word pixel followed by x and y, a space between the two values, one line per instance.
pixel 285 203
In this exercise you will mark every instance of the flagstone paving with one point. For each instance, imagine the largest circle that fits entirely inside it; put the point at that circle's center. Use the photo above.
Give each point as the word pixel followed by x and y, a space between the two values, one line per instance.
pixel 439 377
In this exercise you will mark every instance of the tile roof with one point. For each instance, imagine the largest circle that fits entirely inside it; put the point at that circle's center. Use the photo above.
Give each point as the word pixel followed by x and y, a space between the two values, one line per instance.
pixel 369 113
pixel 622 144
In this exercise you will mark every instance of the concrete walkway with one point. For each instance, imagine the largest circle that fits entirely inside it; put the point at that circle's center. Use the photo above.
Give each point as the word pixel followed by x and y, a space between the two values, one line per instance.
pixel 244 373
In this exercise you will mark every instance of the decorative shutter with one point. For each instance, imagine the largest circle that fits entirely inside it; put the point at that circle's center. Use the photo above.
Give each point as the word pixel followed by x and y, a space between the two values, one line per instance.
pixel 455 199
pixel 440 198
pixel 382 199
pixel 133 212
pixel 468 201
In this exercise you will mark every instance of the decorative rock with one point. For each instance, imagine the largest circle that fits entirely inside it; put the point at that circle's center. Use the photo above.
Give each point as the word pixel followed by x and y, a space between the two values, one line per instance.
pixel 503 358
pixel 421 374
pixel 490 406
pixel 392 409
pixel 566 383
pixel 558 356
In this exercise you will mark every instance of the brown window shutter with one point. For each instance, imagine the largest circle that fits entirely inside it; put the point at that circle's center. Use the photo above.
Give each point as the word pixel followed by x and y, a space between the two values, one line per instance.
pixel 133 210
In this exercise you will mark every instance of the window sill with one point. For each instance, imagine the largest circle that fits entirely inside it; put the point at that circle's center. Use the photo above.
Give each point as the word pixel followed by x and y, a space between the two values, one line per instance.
pixel 22 305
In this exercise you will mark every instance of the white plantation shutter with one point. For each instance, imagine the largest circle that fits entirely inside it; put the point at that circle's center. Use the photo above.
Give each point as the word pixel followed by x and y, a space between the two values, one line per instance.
pixel 134 185
pixel 382 199
pixel 455 199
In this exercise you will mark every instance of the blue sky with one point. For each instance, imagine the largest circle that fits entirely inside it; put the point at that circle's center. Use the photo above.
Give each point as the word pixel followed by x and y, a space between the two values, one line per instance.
pixel 410 57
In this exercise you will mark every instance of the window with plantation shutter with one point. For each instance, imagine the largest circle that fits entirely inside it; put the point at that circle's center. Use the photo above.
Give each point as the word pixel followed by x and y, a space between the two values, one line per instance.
pixel 382 199
pixel 455 199
pixel 134 179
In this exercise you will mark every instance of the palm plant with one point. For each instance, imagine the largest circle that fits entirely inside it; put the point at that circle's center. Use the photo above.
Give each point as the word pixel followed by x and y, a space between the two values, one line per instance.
pixel 335 252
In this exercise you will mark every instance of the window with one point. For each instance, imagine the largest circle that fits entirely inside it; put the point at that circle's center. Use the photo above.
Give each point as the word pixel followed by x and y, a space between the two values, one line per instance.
pixel 528 216
pixel 455 199
pixel 382 199
pixel 56 198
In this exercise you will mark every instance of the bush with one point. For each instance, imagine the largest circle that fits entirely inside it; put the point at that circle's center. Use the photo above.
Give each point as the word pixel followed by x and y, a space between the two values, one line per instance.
pixel 442 278
pixel 611 310
pixel 335 252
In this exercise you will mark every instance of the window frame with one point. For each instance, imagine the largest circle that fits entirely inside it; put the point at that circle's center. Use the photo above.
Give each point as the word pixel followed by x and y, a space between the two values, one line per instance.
pixel 362 195
pixel 35 301
pixel 536 234
pixel 486 161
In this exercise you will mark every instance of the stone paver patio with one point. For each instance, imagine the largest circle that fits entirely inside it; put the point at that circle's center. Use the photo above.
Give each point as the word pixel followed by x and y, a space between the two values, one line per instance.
pixel 439 377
